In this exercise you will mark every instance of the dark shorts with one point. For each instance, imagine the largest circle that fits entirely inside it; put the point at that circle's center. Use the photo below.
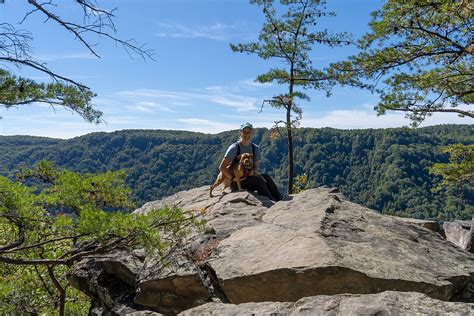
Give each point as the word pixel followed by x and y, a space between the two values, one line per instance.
pixel 263 187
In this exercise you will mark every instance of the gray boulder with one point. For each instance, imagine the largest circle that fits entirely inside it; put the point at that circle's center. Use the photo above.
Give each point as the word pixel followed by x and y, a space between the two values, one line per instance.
pixel 254 250
pixel 319 243
pixel 224 213
pixel 460 233
pixel 385 303
pixel 171 285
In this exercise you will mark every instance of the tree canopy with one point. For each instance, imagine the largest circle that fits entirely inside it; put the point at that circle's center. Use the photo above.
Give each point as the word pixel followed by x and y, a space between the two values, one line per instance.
pixel 59 218
pixel 16 52
pixel 383 169
pixel 422 52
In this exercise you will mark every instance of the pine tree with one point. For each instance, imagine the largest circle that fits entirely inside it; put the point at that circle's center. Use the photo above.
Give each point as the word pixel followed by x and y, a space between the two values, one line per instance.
pixel 290 37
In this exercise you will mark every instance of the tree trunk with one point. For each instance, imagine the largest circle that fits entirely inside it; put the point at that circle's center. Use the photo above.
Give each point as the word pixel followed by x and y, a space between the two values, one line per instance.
pixel 60 288
pixel 288 129
pixel 62 303
pixel 290 154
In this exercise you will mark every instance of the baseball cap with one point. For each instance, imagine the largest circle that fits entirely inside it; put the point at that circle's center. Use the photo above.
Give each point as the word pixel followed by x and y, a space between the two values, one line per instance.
pixel 247 124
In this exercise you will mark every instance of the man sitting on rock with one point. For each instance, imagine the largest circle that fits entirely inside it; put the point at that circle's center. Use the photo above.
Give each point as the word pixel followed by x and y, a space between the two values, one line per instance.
pixel 262 183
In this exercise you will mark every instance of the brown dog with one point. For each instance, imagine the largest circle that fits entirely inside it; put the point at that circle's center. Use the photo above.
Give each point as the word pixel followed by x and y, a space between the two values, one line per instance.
pixel 241 170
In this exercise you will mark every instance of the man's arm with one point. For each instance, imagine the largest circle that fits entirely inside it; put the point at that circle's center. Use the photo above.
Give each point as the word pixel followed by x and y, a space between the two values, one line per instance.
pixel 223 167
pixel 229 156
pixel 257 160
pixel 255 166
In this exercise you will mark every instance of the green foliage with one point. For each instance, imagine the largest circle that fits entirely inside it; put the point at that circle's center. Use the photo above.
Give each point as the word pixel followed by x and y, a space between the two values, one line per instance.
pixel 28 289
pixel 460 168
pixel 301 183
pixel 424 52
pixel 43 227
pixel 17 91
pixel 384 169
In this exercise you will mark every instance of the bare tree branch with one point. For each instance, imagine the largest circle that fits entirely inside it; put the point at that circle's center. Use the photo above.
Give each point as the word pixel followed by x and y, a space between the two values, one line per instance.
pixel 42 243
pixel 33 261
pixel 43 281
pixel 427 110
pixel 96 27
pixel 44 69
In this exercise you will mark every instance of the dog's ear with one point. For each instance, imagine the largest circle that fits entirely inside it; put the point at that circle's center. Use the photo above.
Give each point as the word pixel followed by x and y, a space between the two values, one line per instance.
pixel 238 156
pixel 251 155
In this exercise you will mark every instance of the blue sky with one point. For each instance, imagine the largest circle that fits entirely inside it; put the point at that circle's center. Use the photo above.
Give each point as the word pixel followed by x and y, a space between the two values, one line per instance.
pixel 196 82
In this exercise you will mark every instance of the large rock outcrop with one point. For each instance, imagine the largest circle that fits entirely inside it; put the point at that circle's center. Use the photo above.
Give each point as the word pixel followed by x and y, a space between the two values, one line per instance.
pixel 311 244
pixel 318 243
pixel 386 303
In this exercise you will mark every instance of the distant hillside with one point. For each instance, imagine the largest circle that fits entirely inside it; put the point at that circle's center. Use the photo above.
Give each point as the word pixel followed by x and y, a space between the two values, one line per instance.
pixel 384 169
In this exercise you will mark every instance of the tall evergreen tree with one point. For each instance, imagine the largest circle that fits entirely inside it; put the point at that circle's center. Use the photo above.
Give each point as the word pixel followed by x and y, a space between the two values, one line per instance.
pixel 290 37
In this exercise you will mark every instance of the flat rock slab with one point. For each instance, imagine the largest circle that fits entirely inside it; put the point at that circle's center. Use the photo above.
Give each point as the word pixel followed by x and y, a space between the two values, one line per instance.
pixel 431 225
pixel 224 213
pixel 318 243
pixel 386 303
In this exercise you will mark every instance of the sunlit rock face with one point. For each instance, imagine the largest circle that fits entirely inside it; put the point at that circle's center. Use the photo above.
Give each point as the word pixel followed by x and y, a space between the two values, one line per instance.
pixel 308 248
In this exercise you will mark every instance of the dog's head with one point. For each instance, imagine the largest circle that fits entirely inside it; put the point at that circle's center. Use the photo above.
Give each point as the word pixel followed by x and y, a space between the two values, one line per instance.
pixel 247 160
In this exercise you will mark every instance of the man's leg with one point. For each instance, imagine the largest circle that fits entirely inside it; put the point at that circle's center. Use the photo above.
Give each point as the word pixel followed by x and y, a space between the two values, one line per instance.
pixel 257 183
pixel 272 187
pixel 235 188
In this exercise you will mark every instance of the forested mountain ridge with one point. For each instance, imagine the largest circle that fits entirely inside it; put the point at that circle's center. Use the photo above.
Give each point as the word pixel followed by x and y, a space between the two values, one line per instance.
pixel 384 169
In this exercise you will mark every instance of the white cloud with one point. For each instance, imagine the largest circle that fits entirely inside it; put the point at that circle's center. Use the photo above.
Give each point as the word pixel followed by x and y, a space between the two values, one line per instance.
pixel 235 95
pixel 195 121
pixel 149 107
pixel 365 118
pixel 142 109
pixel 360 117
pixel 211 109
pixel 215 96
pixel 217 31
pixel 240 103
pixel 251 83
pixel 368 106
pixel 204 125
pixel 241 86
pixel 122 120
